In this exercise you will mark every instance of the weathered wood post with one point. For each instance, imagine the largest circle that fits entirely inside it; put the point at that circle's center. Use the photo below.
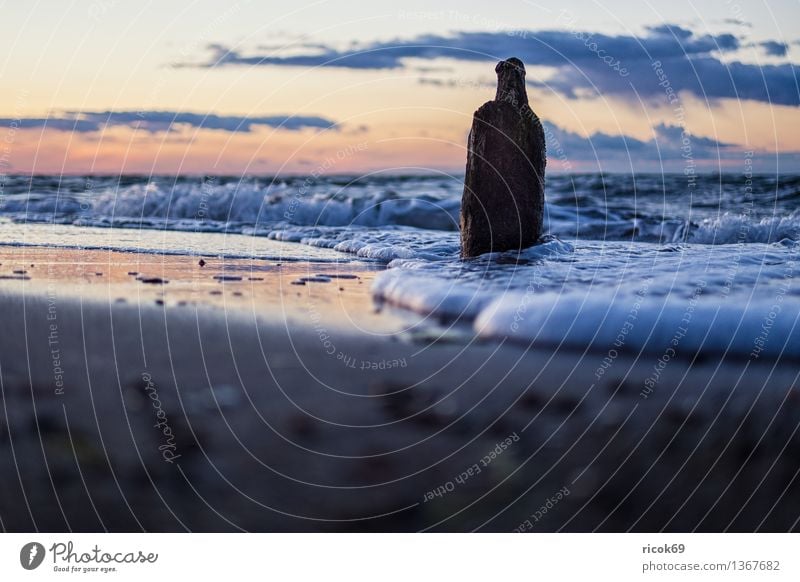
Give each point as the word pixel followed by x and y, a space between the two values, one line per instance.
pixel 503 202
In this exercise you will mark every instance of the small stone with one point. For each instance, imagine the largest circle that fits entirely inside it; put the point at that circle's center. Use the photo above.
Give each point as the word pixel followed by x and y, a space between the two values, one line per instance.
pixel 201 262
pixel 622 387
pixel 532 399
pixel 301 425
pixel 396 400
pixel 337 276
pixel 565 404
pixel 16 277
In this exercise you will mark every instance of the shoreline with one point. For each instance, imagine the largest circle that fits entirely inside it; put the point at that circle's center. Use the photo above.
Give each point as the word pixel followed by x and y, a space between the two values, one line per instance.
pixel 275 289
pixel 268 430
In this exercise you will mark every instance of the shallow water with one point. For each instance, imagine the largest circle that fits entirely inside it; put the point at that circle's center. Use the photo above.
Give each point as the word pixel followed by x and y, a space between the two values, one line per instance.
pixel 664 264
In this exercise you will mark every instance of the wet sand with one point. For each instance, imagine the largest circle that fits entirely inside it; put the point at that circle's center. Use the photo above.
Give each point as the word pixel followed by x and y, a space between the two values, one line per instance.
pixel 275 290
pixel 132 406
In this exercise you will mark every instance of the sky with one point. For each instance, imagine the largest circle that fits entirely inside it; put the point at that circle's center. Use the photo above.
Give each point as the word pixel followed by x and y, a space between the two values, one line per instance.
pixel 298 87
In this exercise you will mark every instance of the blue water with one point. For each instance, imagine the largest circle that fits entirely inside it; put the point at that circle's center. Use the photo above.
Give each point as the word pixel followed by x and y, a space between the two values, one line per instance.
pixel 651 262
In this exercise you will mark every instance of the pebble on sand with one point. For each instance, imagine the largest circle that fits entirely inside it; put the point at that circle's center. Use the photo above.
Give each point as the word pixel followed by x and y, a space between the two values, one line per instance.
pixel 337 275
pixel 16 277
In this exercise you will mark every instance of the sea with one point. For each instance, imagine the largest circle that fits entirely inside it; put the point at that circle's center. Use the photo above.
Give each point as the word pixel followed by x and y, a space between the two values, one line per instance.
pixel 666 264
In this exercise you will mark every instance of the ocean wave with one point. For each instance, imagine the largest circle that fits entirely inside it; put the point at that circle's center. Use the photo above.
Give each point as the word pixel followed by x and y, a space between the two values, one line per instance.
pixel 647 208
pixel 742 228
pixel 386 244
pixel 175 205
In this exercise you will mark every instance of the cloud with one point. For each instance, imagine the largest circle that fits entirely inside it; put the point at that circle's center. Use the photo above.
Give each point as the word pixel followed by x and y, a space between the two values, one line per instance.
pixel 158 121
pixel 774 48
pixel 674 136
pixel 670 144
pixel 618 65
pixel 546 48
pixel 675 30
pixel 738 22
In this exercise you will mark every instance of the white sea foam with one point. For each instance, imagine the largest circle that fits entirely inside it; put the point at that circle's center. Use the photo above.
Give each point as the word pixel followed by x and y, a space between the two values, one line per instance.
pixel 716 298
pixel 670 327
pixel 742 228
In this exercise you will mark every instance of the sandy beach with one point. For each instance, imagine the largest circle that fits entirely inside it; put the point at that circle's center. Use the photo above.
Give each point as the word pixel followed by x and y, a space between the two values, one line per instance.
pixel 252 403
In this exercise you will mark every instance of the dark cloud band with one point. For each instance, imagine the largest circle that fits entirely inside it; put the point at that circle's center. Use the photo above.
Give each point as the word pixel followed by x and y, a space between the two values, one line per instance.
pixel 579 59
pixel 156 121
